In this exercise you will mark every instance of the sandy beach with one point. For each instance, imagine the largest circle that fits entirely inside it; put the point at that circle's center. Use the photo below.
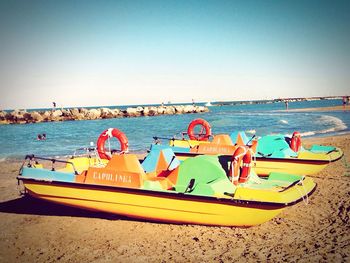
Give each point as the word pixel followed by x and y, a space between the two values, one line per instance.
pixel 36 231
pixel 84 77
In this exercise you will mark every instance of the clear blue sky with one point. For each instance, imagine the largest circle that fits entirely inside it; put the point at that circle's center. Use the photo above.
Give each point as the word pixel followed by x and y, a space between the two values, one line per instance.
pixel 87 53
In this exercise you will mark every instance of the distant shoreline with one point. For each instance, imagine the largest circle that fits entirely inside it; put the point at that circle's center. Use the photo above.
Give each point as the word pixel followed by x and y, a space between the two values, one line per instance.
pixel 332 108
pixel 198 103
pixel 270 101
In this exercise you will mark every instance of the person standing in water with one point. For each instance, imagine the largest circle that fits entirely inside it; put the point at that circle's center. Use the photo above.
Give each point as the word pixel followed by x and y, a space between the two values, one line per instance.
pixel 286 103
pixel 345 101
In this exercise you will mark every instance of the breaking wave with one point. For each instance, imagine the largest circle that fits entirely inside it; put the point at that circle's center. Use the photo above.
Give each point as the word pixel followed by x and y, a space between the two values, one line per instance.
pixel 336 124
pixel 283 121
pixel 251 131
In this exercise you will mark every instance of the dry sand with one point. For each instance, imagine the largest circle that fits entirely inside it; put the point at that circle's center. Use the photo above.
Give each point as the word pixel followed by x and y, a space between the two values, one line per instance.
pixel 36 231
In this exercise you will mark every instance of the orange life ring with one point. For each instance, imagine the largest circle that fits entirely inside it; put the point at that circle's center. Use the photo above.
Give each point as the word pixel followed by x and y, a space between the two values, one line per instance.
pixel 238 175
pixel 295 142
pixel 200 136
pixel 109 133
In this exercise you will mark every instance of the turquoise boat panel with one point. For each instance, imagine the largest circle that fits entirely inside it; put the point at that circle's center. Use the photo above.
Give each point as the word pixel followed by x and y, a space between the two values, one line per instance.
pixel 234 137
pixel 44 174
pixel 288 152
pixel 151 161
pixel 149 164
pixel 170 159
pixel 321 149
pixel 274 146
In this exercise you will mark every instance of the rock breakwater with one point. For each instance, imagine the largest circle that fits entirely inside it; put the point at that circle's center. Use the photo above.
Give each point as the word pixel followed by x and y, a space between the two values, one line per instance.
pixel 73 114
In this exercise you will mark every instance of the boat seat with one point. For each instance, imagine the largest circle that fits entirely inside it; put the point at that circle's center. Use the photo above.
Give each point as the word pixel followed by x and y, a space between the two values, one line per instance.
pixel 275 182
pixel 210 178
pixel 174 148
pixel 82 163
pixel 161 166
pixel 186 143
pixel 158 183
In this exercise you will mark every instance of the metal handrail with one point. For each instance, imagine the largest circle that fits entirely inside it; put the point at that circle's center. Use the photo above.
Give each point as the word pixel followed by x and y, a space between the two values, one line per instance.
pixel 88 150
pixel 32 157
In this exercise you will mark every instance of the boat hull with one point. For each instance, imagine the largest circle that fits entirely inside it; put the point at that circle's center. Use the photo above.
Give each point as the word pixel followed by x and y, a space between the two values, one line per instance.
pixel 157 206
pixel 264 167
pixel 306 163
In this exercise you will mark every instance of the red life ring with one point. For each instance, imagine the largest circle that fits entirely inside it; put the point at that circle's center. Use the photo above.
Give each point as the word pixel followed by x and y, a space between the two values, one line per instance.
pixel 237 175
pixel 200 136
pixel 295 142
pixel 109 133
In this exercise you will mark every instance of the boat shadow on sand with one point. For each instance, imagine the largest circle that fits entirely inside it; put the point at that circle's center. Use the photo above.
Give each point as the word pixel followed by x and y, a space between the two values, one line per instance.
pixel 31 206
pixel 28 205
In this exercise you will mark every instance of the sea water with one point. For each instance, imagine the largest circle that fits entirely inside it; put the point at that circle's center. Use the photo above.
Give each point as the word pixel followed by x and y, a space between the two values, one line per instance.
pixel 260 119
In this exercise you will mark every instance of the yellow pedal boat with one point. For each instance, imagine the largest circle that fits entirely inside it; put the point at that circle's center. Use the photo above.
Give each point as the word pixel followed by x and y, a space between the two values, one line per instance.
pixel 161 188
pixel 272 153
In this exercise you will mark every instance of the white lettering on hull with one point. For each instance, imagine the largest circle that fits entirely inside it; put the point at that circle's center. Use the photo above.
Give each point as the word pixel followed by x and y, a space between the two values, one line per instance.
pixel 112 177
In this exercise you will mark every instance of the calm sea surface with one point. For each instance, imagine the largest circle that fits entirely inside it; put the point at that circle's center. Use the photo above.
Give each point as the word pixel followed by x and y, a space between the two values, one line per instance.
pixel 261 119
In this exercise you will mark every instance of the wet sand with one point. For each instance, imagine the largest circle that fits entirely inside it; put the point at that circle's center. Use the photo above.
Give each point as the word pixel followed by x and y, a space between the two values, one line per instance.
pixel 36 231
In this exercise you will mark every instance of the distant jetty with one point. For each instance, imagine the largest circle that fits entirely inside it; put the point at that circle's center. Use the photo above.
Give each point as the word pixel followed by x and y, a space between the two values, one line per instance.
pixel 279 100
pixel 74 114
